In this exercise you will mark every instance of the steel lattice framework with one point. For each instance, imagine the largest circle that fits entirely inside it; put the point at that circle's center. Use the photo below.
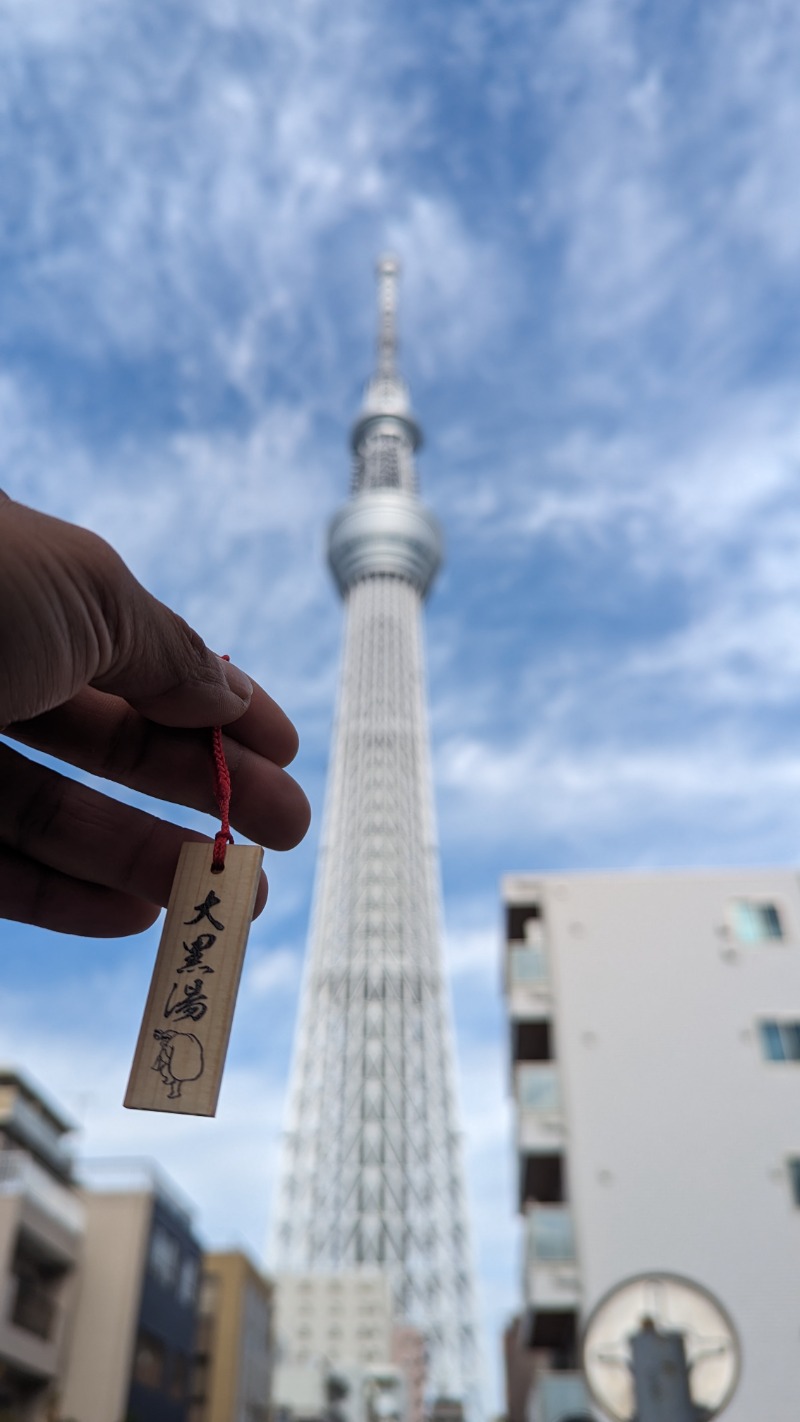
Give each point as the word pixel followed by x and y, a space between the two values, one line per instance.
pixel 371 1167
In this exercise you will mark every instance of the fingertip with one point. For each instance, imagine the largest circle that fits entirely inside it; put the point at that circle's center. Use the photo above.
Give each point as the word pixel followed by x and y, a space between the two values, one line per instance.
pixel 295 821
pixel 137 919
pixel 262 893
pixel 266 729
pixel 304 818
pixel 290 743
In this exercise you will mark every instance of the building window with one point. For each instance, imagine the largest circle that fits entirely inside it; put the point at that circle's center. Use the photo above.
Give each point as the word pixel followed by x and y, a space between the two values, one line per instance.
pixel 521 920
pixel 164 1257
pixel 187 1281
pixel 179 1377
pixel 780 1041
pixel 550 1235
pixel 793 1164
pixel 148 1362
pixel 754 922
pixel 532 1041
pixel 527 964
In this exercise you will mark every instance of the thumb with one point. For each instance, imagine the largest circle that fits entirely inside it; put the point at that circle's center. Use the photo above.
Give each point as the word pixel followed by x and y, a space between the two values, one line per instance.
pixel 164 669
pixel 72 613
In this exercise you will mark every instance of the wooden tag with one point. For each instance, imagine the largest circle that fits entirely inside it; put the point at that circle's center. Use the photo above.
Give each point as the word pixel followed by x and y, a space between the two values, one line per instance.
pixel 183 1041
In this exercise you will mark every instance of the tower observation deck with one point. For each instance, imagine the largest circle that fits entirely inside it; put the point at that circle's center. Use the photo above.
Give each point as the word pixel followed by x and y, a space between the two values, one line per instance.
pixel 371 1170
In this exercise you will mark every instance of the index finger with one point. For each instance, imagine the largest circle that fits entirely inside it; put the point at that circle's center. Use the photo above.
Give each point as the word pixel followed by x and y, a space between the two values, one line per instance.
pixel 104 735
pixel 266 729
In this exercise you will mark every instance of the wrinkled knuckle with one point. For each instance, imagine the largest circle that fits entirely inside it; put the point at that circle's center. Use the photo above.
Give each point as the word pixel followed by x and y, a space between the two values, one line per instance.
pixel 196 662
pixel 195 643
pixel 140 851
pixel 37 819
pixel 128 747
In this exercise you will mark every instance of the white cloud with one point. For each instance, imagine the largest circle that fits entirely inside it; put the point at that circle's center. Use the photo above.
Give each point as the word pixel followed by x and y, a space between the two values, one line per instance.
pixel 199 190
pixel 456 293
pixel 472 952
pixel 272 973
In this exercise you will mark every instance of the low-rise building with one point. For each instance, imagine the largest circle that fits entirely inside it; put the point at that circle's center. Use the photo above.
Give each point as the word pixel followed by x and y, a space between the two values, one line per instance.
pixel 331 1330
pixel 234 1359
pixel 41 1238
pixel 346 1318
pixel 410 1355
pixel 132 1348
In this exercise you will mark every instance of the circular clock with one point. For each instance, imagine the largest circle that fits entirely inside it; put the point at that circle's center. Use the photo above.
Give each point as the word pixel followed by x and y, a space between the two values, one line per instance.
pixel 670 1304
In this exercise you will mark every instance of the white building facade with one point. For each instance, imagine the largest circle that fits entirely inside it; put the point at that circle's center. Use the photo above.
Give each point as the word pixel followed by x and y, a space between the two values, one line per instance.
pixel 335 1339
pixel 345 1318
pixel 655 1044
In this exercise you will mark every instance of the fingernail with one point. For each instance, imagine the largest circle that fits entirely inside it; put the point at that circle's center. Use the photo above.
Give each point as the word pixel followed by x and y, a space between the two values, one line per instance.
pixel 239 684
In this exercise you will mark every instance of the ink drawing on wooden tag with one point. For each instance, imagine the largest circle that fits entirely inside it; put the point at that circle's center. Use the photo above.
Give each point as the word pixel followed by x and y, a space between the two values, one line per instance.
pixel 184 1035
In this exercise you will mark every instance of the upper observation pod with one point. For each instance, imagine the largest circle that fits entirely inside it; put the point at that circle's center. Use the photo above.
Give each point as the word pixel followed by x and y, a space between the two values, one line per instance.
pixel 384 532
pixel 384 529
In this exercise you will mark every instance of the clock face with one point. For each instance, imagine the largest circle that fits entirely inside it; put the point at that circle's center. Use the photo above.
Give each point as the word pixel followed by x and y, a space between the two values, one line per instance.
pixel 675 1305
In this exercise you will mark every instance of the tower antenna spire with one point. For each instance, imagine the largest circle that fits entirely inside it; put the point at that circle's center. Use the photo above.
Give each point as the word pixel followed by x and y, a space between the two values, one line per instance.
pixel 388 269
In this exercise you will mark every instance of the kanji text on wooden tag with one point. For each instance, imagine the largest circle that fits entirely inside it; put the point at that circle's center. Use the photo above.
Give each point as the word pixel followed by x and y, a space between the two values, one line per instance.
pixel 184 1035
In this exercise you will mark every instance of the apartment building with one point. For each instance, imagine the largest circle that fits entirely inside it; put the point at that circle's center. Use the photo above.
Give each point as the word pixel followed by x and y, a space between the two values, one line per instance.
pixel 655 1056
pixel 135 1315
pixel 42 1221
pixel 329 1325
pixel 345 1318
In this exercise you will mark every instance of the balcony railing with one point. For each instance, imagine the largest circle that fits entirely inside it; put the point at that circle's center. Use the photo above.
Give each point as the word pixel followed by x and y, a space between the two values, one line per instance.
pixel 550 1235
pixel 559 1395
pixel 34 1308
pixel 538 1088
pixel 21 1175
pixel 527 965
pixel 39 1134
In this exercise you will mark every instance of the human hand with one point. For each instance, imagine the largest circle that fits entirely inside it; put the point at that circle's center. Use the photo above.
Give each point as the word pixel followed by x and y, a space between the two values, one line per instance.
pixel 95 671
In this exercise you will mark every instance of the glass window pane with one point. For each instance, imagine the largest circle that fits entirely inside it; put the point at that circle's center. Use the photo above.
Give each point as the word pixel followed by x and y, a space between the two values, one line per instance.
pixel 771 921
pixel 187 1280
pixel 754 922
pixel 771 1041
pixel 745 922
pixel 164 1256
pixel 528 965
pixel 794 1178
pixel 538 1088
pixel 790 1035
pixel 148 1361
pixel 550 1234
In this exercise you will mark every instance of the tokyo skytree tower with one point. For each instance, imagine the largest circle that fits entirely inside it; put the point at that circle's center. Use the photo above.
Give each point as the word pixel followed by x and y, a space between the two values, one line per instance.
pixel 371 1170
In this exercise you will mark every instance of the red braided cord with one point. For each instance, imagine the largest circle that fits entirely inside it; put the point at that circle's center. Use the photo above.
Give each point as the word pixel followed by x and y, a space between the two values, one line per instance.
pixel 222 791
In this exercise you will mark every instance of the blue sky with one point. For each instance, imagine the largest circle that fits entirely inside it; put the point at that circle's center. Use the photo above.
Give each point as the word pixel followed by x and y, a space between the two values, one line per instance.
pixel 596 206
